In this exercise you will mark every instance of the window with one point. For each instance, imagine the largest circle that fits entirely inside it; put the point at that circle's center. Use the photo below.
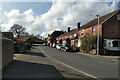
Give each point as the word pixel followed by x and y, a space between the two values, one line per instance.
pixel 93 30
pixel 105 43
pixel 74 34
pixel 82 32
pixel 70 35
pixel 115 43
pixel 65 37
pixel 109 44
pixel 118 17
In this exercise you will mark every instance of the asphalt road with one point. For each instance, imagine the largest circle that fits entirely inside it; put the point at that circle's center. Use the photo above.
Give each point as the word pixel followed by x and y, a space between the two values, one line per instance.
pixel 98 67
pixel 34 65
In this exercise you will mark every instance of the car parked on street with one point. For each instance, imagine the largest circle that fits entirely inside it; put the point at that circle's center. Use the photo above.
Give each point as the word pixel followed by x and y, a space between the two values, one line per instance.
pixel 58 46
pixel 50 45
pixel 44 44
pixel 66 47
pixel 54 45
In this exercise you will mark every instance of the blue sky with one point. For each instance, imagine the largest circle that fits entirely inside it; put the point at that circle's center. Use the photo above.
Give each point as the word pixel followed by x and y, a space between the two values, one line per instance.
pixel 37 7
pixel 48 17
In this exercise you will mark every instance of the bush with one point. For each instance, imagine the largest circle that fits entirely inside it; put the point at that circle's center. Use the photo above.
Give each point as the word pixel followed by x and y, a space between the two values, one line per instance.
pixel 88 42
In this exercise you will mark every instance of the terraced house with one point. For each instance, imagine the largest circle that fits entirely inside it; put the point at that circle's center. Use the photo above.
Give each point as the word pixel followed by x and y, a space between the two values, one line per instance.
pixel 109 29
pixel 52 38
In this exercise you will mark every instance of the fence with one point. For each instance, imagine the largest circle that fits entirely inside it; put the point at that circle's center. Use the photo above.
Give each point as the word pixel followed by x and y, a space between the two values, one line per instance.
pixel 7 51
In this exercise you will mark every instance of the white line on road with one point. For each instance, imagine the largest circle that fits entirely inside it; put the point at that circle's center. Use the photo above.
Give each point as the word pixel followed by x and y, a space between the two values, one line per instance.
pixel 72 67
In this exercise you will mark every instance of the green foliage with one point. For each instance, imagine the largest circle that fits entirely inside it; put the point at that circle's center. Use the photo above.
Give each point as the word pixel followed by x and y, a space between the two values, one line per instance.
pixel 14 38
pixel 26 39
pixel 88 42
pixel 30 40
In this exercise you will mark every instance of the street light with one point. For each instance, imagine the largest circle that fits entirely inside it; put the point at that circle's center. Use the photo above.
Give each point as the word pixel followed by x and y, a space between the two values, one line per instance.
pixel 98 36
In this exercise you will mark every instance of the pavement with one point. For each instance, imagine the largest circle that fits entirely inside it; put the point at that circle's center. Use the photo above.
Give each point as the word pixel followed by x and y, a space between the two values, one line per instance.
pixel 34 64
pixel 100 56
pixel 91 65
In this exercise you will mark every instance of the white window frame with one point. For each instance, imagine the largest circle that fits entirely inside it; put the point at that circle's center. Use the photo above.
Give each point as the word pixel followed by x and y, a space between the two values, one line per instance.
pixel 74 34
pixel 110 46
pixel 118 16
pixel 70 35
pixel 94 30
pixel 82 32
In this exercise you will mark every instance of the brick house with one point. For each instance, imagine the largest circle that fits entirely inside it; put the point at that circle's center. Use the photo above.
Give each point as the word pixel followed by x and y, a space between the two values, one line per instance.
pixel 52 38
pixel 70 37
pixel 109 29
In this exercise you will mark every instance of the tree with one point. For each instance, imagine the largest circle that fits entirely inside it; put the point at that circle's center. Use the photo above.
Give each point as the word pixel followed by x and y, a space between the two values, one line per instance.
pixel 17 29
pixel 25 34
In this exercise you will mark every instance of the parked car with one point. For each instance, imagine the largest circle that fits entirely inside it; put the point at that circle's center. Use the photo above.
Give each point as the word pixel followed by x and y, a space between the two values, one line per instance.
pixel 54 45
pixel 44 44
pixel 66 48
pixel 58 46
pixel 50 45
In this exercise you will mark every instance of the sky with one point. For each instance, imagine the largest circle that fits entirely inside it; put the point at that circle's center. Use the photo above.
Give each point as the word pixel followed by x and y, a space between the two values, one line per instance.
pixel 45 17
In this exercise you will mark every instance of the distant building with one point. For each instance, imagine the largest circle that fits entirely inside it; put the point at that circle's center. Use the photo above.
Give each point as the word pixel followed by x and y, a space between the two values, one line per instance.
pixel 52 38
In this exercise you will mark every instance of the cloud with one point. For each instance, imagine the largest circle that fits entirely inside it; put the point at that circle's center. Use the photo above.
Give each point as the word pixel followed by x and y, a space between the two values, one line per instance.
pixel 25 19
pixel 69 14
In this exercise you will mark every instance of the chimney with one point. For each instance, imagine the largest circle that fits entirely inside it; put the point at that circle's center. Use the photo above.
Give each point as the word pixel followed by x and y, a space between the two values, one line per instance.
pixel 68 29
pixel 78 26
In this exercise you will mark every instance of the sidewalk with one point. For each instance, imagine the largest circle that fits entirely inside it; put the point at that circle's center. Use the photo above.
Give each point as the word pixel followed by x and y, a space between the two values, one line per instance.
pixel 34 64
pixel 100 56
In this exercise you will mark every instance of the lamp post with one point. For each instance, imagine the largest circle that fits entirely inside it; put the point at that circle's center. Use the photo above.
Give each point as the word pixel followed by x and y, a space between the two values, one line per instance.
pixel 98 36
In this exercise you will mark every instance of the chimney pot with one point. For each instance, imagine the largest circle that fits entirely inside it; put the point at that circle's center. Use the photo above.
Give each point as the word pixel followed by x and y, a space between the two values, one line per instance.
pixel 78 25
pixel 68 29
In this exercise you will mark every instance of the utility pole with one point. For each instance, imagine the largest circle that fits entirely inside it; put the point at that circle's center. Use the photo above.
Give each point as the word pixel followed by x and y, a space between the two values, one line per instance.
pixel 98 36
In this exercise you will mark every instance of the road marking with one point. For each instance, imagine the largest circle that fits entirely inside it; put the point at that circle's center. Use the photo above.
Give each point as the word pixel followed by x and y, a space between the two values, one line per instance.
pixel 72 67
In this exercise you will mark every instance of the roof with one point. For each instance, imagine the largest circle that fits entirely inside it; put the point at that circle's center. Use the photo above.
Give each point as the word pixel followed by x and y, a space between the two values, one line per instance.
pixel 69 33
pixel 92 23
pixel 56 33
pixel 102 19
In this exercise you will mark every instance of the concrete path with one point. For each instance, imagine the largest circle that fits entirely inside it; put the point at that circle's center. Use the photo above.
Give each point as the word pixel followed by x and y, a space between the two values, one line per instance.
pixel 34 64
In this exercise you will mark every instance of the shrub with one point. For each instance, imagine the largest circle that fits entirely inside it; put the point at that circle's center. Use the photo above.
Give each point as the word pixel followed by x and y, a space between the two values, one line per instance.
pixel 88 42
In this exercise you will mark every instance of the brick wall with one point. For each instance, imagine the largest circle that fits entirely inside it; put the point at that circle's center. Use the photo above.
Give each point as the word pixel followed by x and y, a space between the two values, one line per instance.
pixel 89 30
pixel 7 51
pixel 72 43
pixel 111 28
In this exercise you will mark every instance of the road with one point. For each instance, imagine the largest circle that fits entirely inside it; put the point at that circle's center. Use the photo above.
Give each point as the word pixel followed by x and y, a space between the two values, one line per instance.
pixel 98 67
pixel 34 65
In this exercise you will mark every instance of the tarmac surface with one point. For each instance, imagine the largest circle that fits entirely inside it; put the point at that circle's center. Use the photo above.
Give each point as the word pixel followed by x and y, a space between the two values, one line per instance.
pixel 34 64
pixel 94 66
